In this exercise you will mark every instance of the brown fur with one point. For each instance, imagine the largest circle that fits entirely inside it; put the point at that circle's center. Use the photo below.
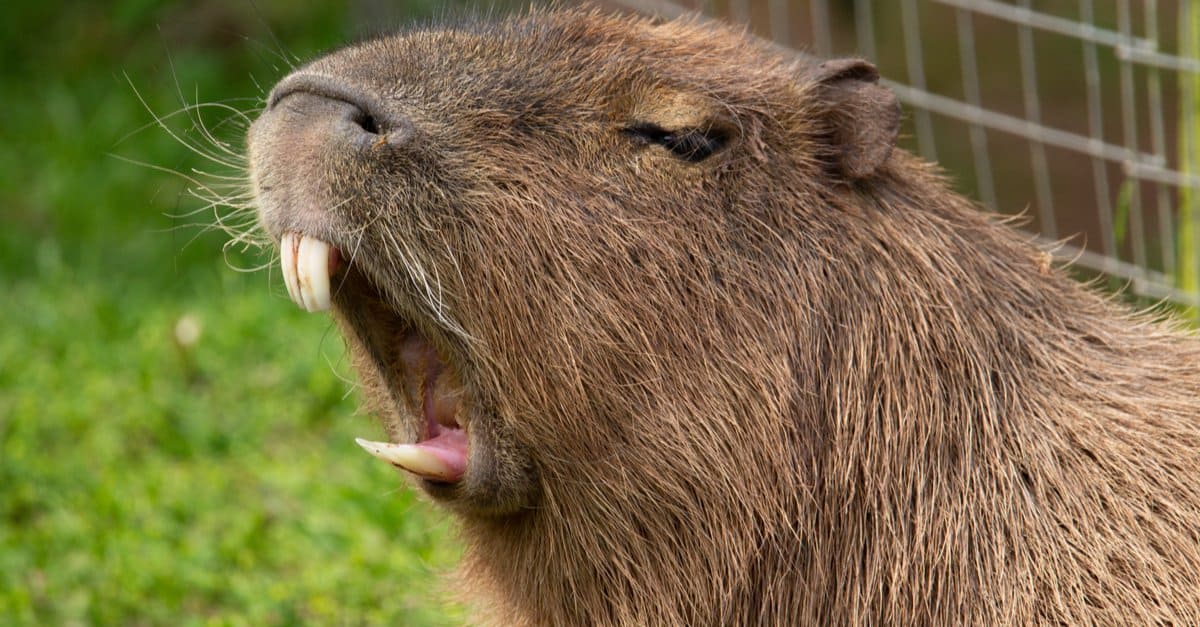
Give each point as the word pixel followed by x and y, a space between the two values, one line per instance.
pixel 799 382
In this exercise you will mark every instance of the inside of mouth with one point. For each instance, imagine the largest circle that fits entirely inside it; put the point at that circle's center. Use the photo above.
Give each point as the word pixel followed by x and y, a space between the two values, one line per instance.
pixel 428 392
pixel 435 392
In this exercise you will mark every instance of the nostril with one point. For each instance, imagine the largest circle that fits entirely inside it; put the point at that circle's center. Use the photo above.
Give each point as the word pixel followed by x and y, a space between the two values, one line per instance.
pixel 367 122
pixel 364 107
pixel 358 116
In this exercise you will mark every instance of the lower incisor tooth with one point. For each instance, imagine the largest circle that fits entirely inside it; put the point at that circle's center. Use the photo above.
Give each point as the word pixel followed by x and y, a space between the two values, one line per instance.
pixel 410 457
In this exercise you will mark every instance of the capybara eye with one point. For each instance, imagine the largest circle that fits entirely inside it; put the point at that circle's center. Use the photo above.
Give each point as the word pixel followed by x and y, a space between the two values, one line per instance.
pixel 696 145
pixel 691 145
pixel 648 133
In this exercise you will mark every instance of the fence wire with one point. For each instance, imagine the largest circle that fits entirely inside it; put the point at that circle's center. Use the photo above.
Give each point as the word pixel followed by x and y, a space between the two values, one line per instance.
pixel 1076 113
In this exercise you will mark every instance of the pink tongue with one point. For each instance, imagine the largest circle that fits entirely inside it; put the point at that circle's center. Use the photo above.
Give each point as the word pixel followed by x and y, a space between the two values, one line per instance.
pixel 450 446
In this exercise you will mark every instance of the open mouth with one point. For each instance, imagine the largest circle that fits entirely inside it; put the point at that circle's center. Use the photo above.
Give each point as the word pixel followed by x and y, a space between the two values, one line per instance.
pixel 430 389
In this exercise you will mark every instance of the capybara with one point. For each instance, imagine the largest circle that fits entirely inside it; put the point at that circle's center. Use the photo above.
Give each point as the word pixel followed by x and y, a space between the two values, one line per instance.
pixel 665 319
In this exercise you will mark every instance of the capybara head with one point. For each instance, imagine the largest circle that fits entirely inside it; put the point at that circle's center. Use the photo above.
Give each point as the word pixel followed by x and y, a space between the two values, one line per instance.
pixel 661 314
pixel 559 234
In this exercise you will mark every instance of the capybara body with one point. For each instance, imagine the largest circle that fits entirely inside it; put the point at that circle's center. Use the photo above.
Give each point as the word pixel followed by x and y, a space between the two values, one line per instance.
pixel 710 351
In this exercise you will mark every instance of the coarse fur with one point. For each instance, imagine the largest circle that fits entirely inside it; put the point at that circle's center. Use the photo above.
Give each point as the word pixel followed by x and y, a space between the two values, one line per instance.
pixel 794 382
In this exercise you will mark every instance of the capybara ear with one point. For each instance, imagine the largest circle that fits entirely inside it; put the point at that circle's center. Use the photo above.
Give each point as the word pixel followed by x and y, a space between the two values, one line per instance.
pixel 862 117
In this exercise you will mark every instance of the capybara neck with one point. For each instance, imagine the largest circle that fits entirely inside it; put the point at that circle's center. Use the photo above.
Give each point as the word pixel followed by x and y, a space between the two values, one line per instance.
pixel 952 433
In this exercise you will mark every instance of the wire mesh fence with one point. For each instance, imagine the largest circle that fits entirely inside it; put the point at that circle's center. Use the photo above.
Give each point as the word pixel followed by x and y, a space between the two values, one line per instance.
pixel 1080 114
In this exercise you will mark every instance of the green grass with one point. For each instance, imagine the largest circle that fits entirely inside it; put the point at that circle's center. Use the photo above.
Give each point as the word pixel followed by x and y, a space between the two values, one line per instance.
pixel 143 482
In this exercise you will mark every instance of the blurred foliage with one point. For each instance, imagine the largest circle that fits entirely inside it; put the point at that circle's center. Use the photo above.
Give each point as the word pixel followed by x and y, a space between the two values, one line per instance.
pixel 143 479
pixel 77 71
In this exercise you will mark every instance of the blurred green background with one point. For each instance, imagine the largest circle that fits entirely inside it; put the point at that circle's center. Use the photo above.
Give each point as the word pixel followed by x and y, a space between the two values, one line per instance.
pixel 145 480
pixel 152 478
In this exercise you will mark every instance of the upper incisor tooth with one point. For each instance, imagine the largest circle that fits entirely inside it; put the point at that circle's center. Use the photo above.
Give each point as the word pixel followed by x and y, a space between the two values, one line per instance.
pixel 312 264
pixel 287 263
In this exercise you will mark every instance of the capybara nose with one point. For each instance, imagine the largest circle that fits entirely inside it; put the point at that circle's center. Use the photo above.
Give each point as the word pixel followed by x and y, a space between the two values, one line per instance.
pixel 342 113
